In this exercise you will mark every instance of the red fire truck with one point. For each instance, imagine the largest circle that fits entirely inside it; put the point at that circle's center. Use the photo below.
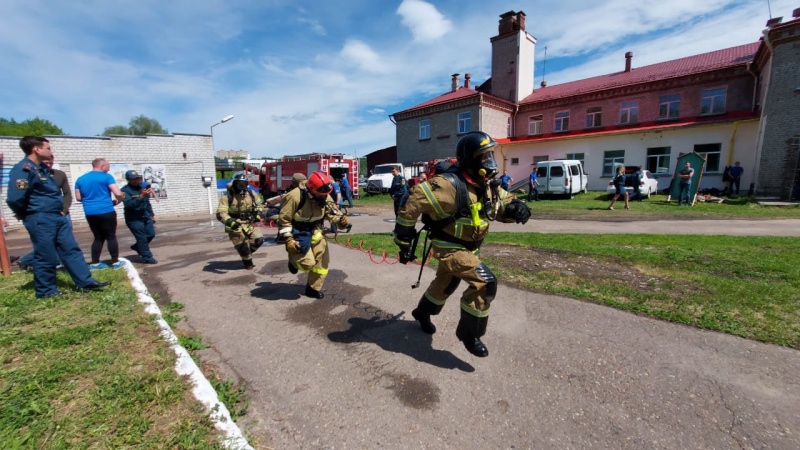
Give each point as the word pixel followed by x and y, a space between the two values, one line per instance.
pixel 429 168
pixel 275 177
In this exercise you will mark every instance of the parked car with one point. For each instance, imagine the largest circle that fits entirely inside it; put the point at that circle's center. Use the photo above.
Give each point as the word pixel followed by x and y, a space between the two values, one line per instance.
pixel 648 185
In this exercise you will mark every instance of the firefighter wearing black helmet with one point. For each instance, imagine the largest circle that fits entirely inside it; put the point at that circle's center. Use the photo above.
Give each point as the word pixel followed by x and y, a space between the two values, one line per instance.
pixel 301 221
pixel 238 209
pixel 456 208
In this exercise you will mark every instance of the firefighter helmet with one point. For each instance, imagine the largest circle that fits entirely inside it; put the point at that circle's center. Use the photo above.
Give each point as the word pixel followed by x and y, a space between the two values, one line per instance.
pixel 475 155
pixel 319 185
pixel 239 182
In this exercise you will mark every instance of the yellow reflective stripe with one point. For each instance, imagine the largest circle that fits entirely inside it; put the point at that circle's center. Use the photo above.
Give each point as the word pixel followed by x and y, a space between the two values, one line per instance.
pixel 406 222
pixel 474 312
pixel 426 189
pixel 466 221
pixel 319 271
pixel 435 301
pixel 316 236
pixel 458 229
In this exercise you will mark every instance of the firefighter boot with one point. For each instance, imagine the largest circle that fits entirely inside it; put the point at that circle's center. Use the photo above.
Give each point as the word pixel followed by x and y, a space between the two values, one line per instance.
pixel 469 331
pixel 313 293
pixel 423 312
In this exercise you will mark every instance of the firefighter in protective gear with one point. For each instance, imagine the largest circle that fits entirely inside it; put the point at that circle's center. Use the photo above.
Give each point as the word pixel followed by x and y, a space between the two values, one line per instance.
pixel 238 210
pixel 456 207
pixel 304 210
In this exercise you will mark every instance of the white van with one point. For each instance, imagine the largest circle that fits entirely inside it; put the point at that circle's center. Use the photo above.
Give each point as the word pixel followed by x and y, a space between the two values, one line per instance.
pixel 561 177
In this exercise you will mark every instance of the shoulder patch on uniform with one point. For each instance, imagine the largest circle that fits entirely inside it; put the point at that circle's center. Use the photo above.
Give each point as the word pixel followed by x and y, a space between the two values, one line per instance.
pixel 403 181
pixel 22 184
pixel 27 167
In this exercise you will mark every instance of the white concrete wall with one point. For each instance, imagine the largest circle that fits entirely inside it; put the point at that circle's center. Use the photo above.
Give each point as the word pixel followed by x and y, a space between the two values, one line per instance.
pixel 186 157
pixel 635 144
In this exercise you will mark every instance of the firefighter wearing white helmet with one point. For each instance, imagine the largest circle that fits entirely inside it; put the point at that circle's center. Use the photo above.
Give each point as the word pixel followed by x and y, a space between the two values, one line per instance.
pixel 456 207
pixel 238 209
pixel 304 210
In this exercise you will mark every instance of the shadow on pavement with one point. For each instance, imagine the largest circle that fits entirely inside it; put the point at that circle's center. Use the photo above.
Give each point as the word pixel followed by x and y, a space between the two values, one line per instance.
pixel 220 267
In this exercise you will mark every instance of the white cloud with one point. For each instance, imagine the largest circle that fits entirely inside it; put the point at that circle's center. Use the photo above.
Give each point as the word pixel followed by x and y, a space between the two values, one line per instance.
pixel 424 20
pixel 314 24
pixel 359 54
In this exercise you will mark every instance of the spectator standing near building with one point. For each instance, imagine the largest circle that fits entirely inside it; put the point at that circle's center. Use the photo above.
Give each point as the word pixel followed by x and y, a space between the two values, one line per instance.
pixel 636 180
pixel 26 262
pixel 398 190
pixel 94 190
pixel 685 184
pixel 347 193
pixel 37 201
pixel 139 216
pixel 505 180
pixel 619 188
pixel 735 175
pixel 533 185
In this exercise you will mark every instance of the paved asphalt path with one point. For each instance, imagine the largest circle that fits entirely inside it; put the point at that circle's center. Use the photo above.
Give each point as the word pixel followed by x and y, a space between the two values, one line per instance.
pixel 353 370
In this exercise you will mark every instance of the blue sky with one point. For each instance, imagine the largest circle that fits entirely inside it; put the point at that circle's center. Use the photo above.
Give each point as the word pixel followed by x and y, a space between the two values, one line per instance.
pixel 306 76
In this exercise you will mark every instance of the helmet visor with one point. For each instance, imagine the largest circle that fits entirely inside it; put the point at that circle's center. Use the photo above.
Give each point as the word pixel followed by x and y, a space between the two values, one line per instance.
pixel 488 165
pixel 240 185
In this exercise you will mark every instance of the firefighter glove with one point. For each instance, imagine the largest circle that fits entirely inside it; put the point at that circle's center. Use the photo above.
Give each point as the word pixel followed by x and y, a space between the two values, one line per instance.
pixel 343 221
pixel 405 254
pixel 292 246
pixel 518 211
pixel 232 224
pixel 247 229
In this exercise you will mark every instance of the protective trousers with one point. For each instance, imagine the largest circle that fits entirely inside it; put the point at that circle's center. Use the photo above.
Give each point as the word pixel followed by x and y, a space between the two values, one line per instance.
pixel 460 264
pixel 143 231
pixel 315 261
pixel 246 244
pixel 52 238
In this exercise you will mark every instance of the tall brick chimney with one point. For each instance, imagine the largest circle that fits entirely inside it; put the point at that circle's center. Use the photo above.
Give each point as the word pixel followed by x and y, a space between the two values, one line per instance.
pixel 628 58
pixel 454 86
pixel 467 77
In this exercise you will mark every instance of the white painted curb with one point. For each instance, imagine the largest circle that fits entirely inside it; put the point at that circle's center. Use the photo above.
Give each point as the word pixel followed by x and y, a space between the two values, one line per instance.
pixel 185 365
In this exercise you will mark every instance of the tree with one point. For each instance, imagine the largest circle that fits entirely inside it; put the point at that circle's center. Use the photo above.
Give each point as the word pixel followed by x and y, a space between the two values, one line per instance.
pixel 30 127
pixel 138 126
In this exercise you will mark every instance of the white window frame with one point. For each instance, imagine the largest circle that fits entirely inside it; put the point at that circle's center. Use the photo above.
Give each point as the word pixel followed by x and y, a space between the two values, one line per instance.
pixel 577 156
pixel 610 159
pixel 561 121
pixel 424 129
pixel 464 122
pixel 629 112
pixel 671 105
pixel 594 117
pixel 713 157
pixel 712 101
pixel 535 125
pixel 658 160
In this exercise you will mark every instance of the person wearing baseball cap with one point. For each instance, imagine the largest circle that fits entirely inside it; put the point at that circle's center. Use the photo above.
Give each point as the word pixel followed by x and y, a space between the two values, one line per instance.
pixel 139 216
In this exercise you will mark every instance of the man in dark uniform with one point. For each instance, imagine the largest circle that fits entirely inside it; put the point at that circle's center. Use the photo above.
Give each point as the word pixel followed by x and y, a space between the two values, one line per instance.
pixel 139 215
pixel 36 199
pixel 456 208
pixel 399 189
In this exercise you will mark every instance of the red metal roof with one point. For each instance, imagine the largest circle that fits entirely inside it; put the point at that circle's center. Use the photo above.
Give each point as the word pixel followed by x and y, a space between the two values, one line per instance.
pixel 705 62
pixel 459 93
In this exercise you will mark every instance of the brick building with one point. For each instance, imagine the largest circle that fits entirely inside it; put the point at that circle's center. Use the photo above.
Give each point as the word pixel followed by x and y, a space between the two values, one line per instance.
pixel 735 104
pixel 176 162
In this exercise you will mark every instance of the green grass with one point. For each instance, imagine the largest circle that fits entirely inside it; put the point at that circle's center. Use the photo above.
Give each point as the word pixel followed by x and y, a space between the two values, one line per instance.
pixel 746 286
pixel 90 370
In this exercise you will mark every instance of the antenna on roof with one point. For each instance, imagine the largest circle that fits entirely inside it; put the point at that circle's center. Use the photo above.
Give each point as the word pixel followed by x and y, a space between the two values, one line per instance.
pixel 544 66
pixel 769 9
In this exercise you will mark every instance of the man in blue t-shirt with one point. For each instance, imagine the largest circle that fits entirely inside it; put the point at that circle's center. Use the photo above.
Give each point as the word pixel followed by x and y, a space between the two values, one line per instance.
pixel 533 185
pixel 505 180
pixel 347 194
pixel 735 174
pixel 94 190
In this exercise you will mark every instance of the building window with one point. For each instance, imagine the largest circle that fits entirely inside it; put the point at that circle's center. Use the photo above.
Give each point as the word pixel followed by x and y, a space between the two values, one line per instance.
pixel 534 125
pixel 508 127
pixel 425 129
pixel 538 159
pixel 711 152
pixel 712 101
pixel 658 160
pixel 594 117
pixel 669 106
pixel 610 159
pixel 514 161
pixel 579 156
pixel 464 125
pixel 629 112
pixel 562 121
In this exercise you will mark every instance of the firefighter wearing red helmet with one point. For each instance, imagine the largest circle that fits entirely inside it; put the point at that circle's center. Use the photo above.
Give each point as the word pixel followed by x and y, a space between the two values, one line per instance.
pixel 304 210
pixel 456 207
pixel 238 210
